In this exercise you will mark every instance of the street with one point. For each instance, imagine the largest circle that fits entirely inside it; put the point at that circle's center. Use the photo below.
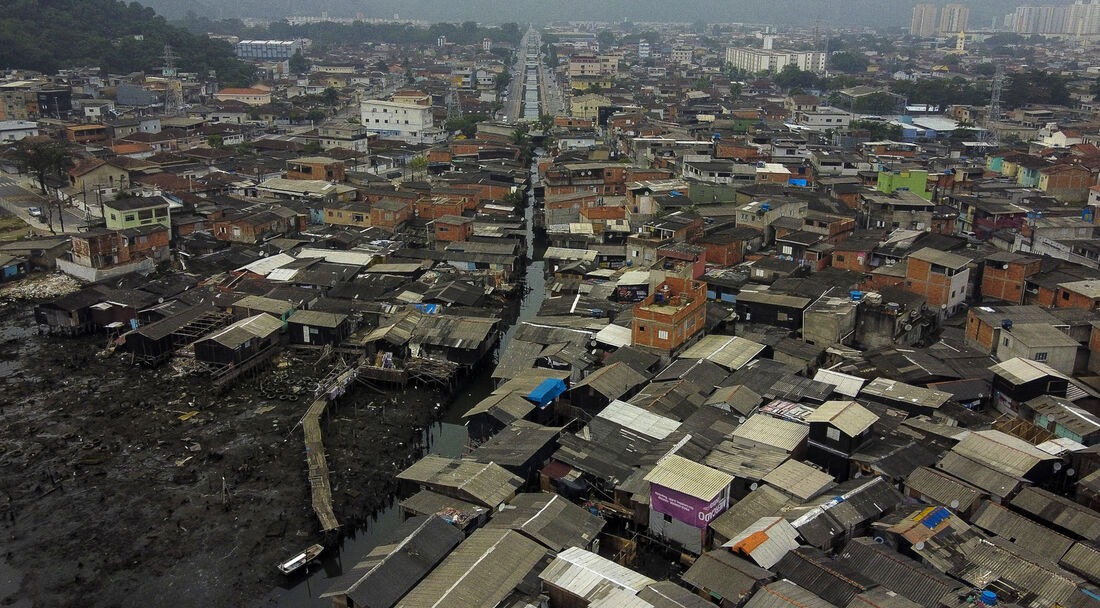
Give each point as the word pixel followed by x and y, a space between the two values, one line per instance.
pixel 18 194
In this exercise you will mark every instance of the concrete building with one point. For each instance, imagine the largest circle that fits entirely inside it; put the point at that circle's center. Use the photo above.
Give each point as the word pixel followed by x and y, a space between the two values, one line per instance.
pixel 774 60
pixel 670 316
pixel 923 23
pixel 268 49
pixel 953 18
pixel 14 130
pixel 939 276
pixel 408 122
pixel 1038 342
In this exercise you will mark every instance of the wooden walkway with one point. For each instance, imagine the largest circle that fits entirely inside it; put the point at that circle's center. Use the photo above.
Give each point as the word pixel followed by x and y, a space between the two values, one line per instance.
pixel 318 465
pixel 319 483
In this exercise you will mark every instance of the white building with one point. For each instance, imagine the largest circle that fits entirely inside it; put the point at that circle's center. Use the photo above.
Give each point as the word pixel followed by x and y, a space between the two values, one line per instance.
pixel 408 122
pixel 268 49
pixel 923 23
pixel 14 130
pixel 774 60
pixel 682 55
pixel 954 18
pixel 823 118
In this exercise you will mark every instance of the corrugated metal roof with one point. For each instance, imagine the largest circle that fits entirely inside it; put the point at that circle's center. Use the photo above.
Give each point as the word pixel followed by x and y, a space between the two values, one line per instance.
pixel 264 266
pixel 836 581
pixel 1084 559
pixel 766 541
pixel 689 477
pixel 486 484
pixel 1021 371
pixel 764 429
pixel 785 594
pixel 1004 452
pixel 799 480
pixel 725 574
pixel 744 459
pixel 843 384
pixel 1040 582
pixel 940 488
pixel 848 416
pixel 731 352
pixel 583 573
pixel 1018 529
pixel 549 519
pixel 638 419
pixel 761 502
pixel 896 572
pixel 1060 511
pixel 894 390
pixel 612 381
pixel 615 335
pixel 480 573
pixel 666 594
pixel 257 326
pixel 613 597
pixel 881 597
pixel 979 475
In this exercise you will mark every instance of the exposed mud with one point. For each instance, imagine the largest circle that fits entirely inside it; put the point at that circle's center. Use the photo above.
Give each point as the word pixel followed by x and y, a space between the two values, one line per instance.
pixel 111 495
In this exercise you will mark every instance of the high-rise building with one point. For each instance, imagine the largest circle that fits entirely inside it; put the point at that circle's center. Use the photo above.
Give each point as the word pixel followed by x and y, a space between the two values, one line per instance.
pixel 953 18
pixel 774 60
pixel 1082 18
pixel 924 20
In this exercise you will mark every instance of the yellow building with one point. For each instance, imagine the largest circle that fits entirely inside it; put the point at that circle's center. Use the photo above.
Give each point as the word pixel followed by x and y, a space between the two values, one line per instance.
pixel 588 106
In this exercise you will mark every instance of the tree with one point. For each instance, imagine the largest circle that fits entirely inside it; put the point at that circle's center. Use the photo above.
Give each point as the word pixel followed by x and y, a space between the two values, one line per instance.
pixel 312 147
pixel 466 123
pixel 315 115
pixel 381 66
pixel 876 103
pixel 594 87
pixel 419 164
pixel 43 157
pixel 331 96
pixel 791 76
pixel 502 80
pixel 606 39
pixel 544 123
pixel 298 63
pixel 735 90
pixel 701 83
pixel 877 129
pixel 215 141
pixel 848 62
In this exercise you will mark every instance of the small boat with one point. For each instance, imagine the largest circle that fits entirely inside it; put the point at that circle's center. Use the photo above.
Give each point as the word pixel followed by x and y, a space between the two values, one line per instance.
pixel 301 559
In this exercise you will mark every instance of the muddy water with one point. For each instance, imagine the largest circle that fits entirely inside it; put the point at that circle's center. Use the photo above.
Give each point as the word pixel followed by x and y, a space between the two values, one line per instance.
pixel 448 437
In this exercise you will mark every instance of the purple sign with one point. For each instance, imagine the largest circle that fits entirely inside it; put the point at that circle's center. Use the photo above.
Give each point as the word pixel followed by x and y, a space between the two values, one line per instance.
pixel 688 509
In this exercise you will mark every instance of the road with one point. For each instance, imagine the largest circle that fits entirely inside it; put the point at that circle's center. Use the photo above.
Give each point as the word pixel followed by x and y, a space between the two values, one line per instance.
pixel 18 194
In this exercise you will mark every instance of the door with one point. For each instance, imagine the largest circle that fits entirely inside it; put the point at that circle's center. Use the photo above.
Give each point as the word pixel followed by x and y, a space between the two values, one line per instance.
pixel 305 334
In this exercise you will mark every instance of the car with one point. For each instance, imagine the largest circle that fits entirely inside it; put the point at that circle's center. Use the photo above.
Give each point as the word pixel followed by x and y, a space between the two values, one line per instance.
pixel 35 211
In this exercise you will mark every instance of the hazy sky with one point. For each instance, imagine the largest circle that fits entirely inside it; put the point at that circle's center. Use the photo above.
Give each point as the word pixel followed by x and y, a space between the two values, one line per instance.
pixel 829 12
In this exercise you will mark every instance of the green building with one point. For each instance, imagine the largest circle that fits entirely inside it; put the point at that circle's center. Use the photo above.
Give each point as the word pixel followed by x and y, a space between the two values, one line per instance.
pixel 915 181
pixel 135 212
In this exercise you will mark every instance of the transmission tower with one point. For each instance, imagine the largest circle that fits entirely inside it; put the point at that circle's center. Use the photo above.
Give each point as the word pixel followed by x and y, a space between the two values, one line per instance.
pixel 173 88
pixel 994 113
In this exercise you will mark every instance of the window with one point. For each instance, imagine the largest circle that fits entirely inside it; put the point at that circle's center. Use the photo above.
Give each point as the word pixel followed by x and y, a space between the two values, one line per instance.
pixel 1065 295
pixel 832 433
pixel 667 517
pixel 840 258
pixel 1040 357
pixel 641 328
pixel 662 334
pixel 781 316
pixel 129 217
pixel 787 250
pixel 1004 342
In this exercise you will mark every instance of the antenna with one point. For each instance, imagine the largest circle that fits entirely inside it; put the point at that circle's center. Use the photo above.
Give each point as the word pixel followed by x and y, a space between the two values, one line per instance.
pixel 173 89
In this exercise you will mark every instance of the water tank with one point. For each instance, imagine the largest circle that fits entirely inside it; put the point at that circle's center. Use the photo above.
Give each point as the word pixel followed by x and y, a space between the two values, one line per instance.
pixel 597 313
pixel 856 295
pixel 765 206
pixel 659 298
pixel 1006 323
pixel 989 598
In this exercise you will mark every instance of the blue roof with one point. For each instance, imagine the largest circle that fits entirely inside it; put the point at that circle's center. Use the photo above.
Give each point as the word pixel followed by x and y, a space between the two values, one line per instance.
pixel 547 391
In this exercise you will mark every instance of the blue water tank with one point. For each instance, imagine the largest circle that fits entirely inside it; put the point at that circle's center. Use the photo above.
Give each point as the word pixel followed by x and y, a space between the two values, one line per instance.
pixel 989 598
pixel 856 295
pixel 765 206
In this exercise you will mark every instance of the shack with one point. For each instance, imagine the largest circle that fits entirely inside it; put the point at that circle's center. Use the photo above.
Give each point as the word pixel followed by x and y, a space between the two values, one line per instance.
pixel 254 336
pixel 70 314
pixel 317 328
pixel 522 448
pixel 488 485
pixel 154 343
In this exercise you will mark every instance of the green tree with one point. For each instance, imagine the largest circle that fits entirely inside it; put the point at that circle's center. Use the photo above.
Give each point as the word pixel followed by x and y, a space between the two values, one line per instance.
pixel 330 96
pixel 312 147
pixel 594 88
pixel 315 115
pixel 502 80
pixel 876 103
pixel 877 129
pixel 791 76
pixel 419 164
pixel 465 123
pixel 215 141
pixel 848 62
pixel 701 84
pixel 544 123
pixel 735 90
pixel 298 63
pixel 43 157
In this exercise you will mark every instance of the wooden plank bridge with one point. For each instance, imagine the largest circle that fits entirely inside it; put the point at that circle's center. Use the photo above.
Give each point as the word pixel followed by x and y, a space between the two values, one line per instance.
pixel 321 489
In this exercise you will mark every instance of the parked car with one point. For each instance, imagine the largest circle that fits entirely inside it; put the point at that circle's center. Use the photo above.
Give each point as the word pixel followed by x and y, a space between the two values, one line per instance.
pixel 35 211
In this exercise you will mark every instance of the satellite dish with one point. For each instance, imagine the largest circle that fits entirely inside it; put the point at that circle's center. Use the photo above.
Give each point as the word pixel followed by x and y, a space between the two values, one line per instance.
pixel 1057 467
pixel 754 486
pixel 880 540
pixel 858 474
pixel 919 546
pixel 954 504
pixel 1070 472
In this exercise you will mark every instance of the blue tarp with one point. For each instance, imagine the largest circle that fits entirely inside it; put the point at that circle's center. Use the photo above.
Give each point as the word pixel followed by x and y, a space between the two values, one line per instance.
pixel 547 391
